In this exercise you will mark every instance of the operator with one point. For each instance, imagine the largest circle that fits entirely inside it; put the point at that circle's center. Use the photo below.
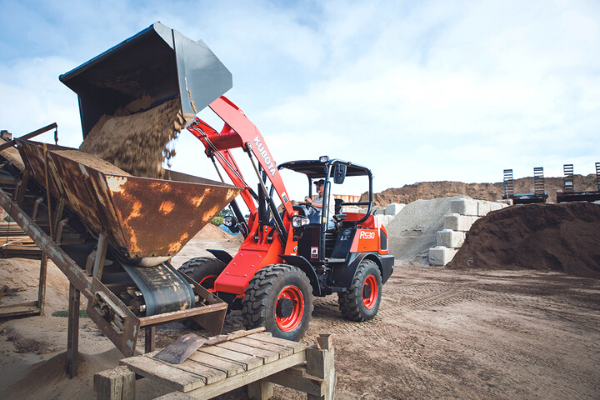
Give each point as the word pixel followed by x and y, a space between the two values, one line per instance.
pixel 315 216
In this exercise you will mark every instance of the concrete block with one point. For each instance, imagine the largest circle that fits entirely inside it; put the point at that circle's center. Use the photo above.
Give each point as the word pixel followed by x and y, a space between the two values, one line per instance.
pixel 457 222
pixel 497 206
pixel 450 238
pixel 483 208
pixel 385 219
pixel 441 255
pixel 464 206
pixel 393 208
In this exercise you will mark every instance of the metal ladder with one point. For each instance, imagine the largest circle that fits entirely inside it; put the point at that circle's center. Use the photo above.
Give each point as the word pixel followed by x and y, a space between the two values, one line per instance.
pixel 538 180
pixel 509 188
pixel 568 183
pixel 598 175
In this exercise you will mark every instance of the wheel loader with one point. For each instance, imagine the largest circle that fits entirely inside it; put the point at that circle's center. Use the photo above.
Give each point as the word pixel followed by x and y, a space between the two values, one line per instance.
pixel 285 259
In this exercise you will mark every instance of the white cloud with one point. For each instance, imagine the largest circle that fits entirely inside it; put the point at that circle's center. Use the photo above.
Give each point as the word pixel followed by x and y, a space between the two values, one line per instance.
pixel 416 90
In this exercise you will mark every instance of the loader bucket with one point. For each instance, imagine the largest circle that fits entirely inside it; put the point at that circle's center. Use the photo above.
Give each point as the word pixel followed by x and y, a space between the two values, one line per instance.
pixel 159 63
pixel 142 217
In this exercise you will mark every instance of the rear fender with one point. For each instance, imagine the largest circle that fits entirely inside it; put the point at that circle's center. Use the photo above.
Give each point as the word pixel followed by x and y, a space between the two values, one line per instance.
pixel 343 276
pixel 307 268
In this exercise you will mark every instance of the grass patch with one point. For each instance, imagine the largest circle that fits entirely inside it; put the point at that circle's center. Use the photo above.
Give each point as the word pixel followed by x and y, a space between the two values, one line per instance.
pixel 65 314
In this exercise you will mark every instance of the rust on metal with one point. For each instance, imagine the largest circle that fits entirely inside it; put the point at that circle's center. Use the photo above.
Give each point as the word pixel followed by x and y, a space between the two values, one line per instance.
pixel 146 217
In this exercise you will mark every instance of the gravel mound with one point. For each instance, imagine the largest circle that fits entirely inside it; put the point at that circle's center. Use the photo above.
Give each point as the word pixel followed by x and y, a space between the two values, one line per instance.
pixel 413 231
pixel 546 237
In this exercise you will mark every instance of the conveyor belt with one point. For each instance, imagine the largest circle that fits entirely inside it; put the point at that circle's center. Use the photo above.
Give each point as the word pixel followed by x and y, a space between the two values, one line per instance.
pixel 163 288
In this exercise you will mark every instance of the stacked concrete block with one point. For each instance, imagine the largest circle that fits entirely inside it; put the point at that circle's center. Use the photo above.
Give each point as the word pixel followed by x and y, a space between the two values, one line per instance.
pixel 450 238
pixel 441 255
pixel 457 222
pixel 464 213
pixel 385 219
pixel 394 208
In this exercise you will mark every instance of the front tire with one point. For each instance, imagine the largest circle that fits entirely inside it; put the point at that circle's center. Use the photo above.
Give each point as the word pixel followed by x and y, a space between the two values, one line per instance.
pixel 361 301
pixel 203 270
pixel 279 297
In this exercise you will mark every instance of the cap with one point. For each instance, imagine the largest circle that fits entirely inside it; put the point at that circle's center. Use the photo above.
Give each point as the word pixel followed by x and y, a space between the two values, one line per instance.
pixel 320 182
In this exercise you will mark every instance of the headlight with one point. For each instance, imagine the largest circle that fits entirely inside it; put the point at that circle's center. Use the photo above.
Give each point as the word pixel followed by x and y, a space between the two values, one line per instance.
pixel 229 221
pixel 299 221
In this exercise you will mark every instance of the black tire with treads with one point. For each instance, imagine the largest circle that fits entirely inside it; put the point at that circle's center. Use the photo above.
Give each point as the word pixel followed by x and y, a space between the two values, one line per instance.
pixel 353 303
pixel 199 268
pixel 266 289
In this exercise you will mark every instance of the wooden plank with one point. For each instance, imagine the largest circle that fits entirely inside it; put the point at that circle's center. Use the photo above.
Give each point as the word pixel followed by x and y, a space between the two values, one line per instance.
pixel 231 368
pixel 172 377
pixel 266 337
pixel 268 356
pixel 249 362
pixel 247 377
pixel 283 351
pixel 211 375
pixel 304 383
pixel 208 372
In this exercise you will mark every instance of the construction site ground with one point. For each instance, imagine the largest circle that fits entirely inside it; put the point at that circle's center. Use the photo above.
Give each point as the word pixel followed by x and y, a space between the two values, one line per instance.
pixel 440 333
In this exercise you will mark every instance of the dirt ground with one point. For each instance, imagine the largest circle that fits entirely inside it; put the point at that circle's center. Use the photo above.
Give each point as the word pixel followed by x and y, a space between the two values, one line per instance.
pixel 440 333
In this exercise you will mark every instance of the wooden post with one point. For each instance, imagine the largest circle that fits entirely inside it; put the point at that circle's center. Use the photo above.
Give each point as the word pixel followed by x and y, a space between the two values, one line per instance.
pixel 98 267
pixel 73 332
pixel 42 283
pixel 320 363
pixel 260 390
pixel 115 384
pixel 150 339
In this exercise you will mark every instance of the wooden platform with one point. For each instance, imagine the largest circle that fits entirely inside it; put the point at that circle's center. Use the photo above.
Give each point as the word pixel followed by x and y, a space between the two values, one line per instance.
pixel 257 360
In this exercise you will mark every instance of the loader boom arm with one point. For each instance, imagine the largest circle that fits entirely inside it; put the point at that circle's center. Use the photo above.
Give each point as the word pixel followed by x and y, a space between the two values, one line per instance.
pixel 239 132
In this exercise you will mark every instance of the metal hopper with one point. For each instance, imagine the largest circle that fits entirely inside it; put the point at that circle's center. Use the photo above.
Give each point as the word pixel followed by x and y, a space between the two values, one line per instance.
pixel 142 217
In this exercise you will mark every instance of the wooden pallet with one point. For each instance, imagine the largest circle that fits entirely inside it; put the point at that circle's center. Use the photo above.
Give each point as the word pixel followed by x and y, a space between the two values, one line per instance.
pixel 258 360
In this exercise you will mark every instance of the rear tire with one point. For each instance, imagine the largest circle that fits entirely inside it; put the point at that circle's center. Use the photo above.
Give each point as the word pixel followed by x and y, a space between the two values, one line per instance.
pixel 203 270
pixel 361 301
pixel 279 297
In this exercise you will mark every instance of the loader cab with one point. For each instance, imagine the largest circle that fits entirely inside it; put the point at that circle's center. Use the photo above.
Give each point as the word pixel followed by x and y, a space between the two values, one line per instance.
pixel 318 239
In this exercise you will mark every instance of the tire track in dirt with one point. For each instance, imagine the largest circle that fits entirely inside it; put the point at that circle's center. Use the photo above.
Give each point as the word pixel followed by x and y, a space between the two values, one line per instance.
pixel 324 308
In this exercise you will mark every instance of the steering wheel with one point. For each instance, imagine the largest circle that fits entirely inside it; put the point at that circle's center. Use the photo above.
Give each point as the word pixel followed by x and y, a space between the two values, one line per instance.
pixel 309 206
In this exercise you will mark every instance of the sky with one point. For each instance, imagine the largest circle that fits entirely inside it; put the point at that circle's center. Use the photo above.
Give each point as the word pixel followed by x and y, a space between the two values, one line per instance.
pixel 415 90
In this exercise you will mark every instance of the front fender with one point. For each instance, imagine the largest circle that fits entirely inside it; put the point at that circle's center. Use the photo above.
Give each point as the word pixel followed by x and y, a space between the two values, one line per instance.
pixel 307 268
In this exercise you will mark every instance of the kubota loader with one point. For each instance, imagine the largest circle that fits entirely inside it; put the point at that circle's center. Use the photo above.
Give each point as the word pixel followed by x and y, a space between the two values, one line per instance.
pixel 285 260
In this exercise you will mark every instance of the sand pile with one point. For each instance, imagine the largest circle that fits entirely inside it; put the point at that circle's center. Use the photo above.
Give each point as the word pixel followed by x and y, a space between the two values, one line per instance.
pixel 556 237
pixel 413 231
pixel 137 142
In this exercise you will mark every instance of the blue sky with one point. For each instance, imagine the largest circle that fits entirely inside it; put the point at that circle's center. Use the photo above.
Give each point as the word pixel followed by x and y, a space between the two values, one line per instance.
pixel 416 90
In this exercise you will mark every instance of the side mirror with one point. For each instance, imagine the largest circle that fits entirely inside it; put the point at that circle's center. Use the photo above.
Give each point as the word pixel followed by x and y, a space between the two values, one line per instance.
pixel 339 173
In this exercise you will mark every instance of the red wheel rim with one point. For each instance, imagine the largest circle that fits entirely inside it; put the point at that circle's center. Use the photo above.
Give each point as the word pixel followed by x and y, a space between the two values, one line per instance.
pixel 208 282
pixel 370 296
pixel 289 323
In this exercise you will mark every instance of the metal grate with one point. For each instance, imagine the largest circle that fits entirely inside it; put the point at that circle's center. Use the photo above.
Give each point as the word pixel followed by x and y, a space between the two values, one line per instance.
pixel 568 178
pixel 538 180
pixel 509 188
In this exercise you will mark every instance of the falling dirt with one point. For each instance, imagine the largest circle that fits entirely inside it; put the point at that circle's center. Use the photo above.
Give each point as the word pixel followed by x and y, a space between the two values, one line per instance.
pixel 137 142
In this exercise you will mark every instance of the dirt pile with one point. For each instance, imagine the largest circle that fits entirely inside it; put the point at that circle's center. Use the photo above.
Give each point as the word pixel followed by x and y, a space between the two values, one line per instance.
pixel 136 142
pixel 480 191
pixel 546 237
